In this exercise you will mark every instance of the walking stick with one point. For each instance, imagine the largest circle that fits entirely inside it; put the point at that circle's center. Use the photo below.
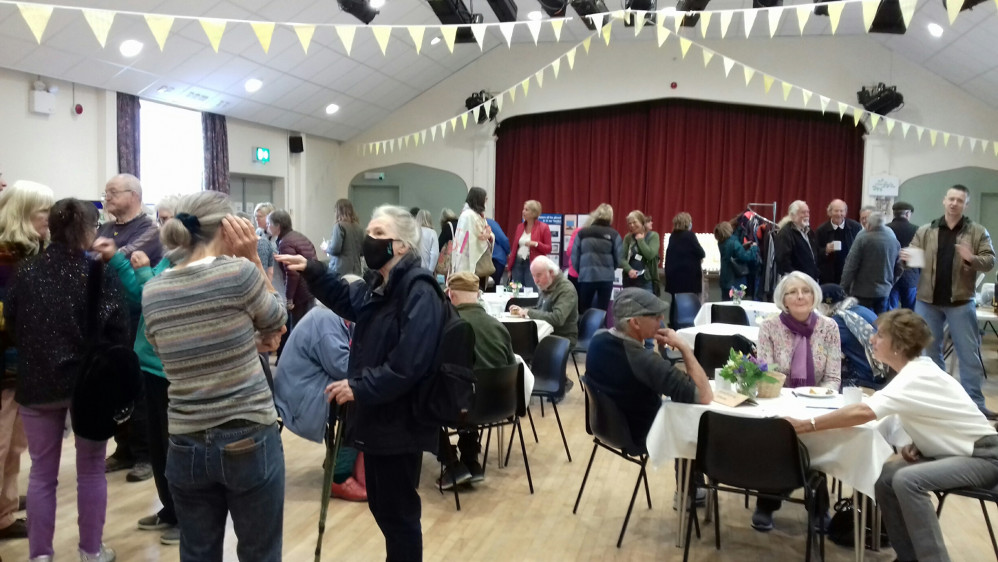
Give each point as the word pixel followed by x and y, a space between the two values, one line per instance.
pixel 332 451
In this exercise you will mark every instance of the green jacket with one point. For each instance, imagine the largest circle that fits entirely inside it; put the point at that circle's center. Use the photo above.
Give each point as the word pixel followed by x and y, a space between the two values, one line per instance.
pixel 132 281
pixel 493 346
pixel 649 251
pixel 964 273
pixel 559 306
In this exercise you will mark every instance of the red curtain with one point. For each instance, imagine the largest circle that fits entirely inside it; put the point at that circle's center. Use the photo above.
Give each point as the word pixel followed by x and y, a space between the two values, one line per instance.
pixel 668 156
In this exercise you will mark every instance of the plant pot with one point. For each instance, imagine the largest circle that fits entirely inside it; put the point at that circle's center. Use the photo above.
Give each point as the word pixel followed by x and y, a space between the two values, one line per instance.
pixel 772 389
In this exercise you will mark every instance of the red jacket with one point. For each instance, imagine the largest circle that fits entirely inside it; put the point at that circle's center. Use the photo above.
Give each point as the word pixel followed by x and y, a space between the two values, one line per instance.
pixel 541 234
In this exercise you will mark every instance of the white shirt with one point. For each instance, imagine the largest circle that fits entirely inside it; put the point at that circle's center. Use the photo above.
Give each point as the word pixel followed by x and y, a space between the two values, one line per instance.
pixel 524 252
pixel 934 410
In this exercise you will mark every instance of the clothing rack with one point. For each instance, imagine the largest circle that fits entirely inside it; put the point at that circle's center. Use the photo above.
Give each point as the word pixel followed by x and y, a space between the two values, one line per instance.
pixel 767 205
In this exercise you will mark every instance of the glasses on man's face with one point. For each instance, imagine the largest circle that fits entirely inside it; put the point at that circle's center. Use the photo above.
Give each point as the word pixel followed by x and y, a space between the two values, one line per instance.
pixel 113 194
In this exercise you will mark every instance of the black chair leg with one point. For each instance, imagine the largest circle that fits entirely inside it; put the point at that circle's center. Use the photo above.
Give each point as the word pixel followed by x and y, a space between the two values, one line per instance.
pixel 717 522
pixel 939 508
pixel 440 487
pixel 644 472
pixel 991 531
pixel 584 478
pixel 561 429
pixel 523 449
pixel 509 448
pixel 691 518
pixel 574 362
pixel 532 428
pixel 542 407
pixel 630 507
pixel 485 455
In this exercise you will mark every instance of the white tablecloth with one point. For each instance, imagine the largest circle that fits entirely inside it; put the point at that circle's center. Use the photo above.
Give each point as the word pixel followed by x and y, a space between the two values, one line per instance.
pixel 495 303
pixel 528 379
pixel 757 311
pixel 689 335
pixel 543 328
pixel 853 455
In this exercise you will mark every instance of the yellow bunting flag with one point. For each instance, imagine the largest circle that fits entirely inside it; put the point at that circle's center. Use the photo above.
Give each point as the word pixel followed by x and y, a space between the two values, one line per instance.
pixel 973 145
pixel 707 55
pixel 918 131
pixel 749 73
pixel 417 32
pixel 535 29
pixel 932 136
pixel 415 139
pixel 945 139
pixel 377 148
pixel 704 23
pixel 478 30
pixel 264 33
pixel 908 10
pixel 749 19
pixel 499 102
pixel 512 94
pixel 807 95
pixel 214 29
pixel 526 87
pixel 904 129
pixel 725 23
pixel 995 146
pixel 507 28
pixel 874 120
pixel 539 75
pixel 570 56
pixel 889 123
pixel 586 43
pixel 37 18
pixel 382 34
pixel 422 134
pixel 306 32
pixel 160 28
pixel 728 64
pixel 346 34
pixel 606 32
pixel 443 130
pixel 453 123
pixel 684 45
pixel 869 12
pixel 662 33
pixel 555 66
pixel 556 25
pixel 639 22
pixel 857 116
pixel 824 103
pixel 450 33
pixel 835 14
pixel 842 110
pixel 787 87
pixel 464 120
pixel 774 19
pixel 952 10
pixel 100 23
pixel 803 14
pixel 767 82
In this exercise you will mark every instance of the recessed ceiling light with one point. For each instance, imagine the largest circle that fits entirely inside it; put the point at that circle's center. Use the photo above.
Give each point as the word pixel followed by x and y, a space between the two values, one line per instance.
pixel 435 40
pixel 535 15
pixel 130 48
pixel 377 4
pixel 252 85
pixel 332 108
pixel 935 30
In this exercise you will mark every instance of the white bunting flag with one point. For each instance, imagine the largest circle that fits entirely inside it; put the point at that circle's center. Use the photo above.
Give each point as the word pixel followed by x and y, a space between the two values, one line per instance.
pixel 857 116
pixel 346 34
pixel 959 141
pixel 570 56
pixel 908 10
pixel 824 103
pixel 904 129
pixel 973 145
pixel 704 23
pixel 749 73
pixel 807 95
pixel 889 123
pixel 874 121
pixel 506 28
pixel 918 131
pixel 946 139
pixel 707 55
pixel 597 20
pixel 725 22
pixel 787 88
pixel 728 64
pixel 774 19
pixel 842 110
pixel 535 29
pixel 478 30
pixel 306 32
pixel 749 18
pixel 803 14
pixel 539 75
pixel 662 33
pixel 869 13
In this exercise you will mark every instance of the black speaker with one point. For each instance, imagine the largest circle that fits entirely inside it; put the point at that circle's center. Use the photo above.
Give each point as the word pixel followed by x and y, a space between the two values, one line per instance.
pixel 296 144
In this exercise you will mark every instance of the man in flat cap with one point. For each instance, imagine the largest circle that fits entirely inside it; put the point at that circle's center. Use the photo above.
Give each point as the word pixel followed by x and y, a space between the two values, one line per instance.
pixel 903 293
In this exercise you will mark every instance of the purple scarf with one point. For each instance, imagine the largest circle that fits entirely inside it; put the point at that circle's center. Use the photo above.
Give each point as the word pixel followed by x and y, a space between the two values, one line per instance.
pixel 802 361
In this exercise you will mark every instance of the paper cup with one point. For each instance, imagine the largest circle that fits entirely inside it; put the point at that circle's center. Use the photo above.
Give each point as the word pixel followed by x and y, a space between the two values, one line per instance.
pixel 916 257
pixel 852 395
pixel 837 245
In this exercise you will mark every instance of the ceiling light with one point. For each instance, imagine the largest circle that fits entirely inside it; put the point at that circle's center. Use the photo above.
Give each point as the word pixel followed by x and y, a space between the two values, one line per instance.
pixel 377 4
pixel 535 15
pixel 435 40
pixel 332 108
pixel 935 30
pixel 359 9
pixel 130 48
pixel 252 85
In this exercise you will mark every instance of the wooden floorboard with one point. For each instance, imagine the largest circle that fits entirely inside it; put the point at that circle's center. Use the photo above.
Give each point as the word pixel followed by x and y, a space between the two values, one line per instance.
pixel 500 519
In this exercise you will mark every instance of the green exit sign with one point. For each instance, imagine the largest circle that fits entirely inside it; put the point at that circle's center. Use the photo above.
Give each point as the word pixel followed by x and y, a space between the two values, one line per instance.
pixel 261 154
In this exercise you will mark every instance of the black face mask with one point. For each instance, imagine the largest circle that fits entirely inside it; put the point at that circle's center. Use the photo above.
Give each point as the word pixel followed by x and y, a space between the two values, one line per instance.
pixel 377 251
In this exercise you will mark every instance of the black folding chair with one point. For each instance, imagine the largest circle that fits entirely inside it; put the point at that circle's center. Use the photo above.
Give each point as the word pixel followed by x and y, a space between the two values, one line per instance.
pixel 522 302
pixel 609 428
pixel 728 314
pixel 768 465
pixel 591 321
pixel 982 495
pixel 523 336
pixel 712 351
pixel 549 366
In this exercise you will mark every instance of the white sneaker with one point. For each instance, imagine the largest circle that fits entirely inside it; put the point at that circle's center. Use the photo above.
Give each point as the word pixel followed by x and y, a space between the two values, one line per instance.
pixel 45 558
pixel 105 555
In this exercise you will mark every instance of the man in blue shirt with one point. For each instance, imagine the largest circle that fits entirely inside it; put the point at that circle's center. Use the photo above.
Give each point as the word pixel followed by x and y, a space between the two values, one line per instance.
pixel 500 250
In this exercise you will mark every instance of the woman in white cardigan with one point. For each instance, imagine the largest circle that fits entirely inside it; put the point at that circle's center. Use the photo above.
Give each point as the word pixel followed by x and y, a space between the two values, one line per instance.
pixel 473 237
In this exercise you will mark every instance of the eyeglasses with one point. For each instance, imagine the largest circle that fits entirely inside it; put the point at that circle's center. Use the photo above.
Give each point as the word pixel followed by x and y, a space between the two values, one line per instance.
pixel 113 194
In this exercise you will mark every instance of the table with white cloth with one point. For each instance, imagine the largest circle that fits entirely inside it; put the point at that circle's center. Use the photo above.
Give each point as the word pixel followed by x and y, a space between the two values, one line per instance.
pixel 853 455
pixel 544 329
pixel 495 303
pixel 757 311
pixel 689 335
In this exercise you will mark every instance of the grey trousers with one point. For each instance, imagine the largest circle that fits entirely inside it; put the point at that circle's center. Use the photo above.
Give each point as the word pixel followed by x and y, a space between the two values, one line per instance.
pixel 903 496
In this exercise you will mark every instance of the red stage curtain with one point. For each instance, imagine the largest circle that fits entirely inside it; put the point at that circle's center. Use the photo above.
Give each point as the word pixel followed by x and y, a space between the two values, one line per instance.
pixel 668 156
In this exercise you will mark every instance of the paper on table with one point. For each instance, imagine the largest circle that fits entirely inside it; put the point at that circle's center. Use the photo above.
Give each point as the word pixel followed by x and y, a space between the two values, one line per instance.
pixel 916 257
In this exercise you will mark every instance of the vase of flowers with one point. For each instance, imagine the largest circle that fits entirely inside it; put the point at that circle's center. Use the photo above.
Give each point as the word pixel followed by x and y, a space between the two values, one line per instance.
pixel 514 288
pixel 746 372
pixel 737 294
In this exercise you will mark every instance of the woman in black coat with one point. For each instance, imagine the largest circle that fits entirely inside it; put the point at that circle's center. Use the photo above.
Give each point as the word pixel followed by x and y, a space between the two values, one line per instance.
pixel 399 316
pixel 683 258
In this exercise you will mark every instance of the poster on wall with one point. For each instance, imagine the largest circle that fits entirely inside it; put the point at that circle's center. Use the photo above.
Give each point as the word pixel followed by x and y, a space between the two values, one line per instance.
pixel 554 223
pixel 572 223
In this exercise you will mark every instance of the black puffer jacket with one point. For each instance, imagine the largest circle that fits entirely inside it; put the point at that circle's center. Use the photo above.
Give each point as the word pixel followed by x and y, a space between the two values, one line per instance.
pixel 397 331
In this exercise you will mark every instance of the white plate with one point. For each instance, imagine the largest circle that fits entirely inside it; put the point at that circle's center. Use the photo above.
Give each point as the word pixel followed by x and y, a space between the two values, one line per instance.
pixel 814 392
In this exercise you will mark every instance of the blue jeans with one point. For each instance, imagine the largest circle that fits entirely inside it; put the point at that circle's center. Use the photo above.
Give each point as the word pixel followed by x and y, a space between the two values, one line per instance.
pixel 521 274
pixel 903 294
pixel 962 322
pixel 878 305
pixel 237 471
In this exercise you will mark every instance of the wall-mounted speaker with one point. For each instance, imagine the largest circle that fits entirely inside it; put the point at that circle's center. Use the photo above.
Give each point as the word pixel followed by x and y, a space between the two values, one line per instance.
pixel 296 145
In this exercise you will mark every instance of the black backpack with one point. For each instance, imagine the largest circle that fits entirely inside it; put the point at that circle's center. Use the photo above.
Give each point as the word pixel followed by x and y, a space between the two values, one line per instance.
pixel 444 397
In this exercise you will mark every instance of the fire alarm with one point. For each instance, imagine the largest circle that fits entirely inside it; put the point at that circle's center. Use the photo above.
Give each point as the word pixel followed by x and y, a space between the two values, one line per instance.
pixel 674 85
pixel 78 109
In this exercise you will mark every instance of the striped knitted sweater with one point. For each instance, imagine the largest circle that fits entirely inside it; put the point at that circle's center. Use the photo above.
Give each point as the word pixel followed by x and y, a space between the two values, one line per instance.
pixel 201 320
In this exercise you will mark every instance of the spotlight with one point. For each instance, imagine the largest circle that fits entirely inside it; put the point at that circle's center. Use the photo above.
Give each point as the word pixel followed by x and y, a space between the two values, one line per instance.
pixel 691 6
pixel 880 99
pixel 505 10
pixel 554 8
pixel 451 12
pixel 359 9
pixel 478 98
pixel 766 3
pixel 588 7
pixel 648 6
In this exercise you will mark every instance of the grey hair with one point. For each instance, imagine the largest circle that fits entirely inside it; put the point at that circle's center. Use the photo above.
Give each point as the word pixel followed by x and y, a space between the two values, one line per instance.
pixel 621 324
pixel 832 309
pixel 266 207
pixel 834 201
pixel 547 263
pixel 405 225
pixel 424 218
pixel 210 207
pixel 794 207
pixel 168 203
pixel 130 182
pixel 875 220
pixel 781 288
pixel 866 208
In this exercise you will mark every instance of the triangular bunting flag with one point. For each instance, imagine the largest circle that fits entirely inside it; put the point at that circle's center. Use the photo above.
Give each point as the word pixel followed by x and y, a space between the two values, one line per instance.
pixel 874 120
pixel 571 58
pixel 889 123
pixel 807 95
pixel 539 75
pixel 586 43
pixel 417 32
pixel 433 132
pixel 984 146
pixel 306 32
pixel 774 19
pixel 725 22
pixel 908 10
pixel 382 34
pixel 639 22
pixel 857 116
pixel 422 134
pixel 995 146
pixel 512 94
pixel 464 119
pixel 555 66
pixel 952 10
pixel 443 130
pixel 450 33
pixel 37 18
pixel 399 140
pixel 945 139
pixel 869 12
pixel 526 87
pixel 662 33
pixel 507 28
pixel 160 28
pixel 391 145
pixel 535 29
pixel 100 23
pixel 842 110
pixel 835 14
pixel 453 123
pixel 478 112
pixel 556 25
pixel 749 73
pixel 415 139
pixel 499 102
pixel 749 18
pixel 728 64
pixel 973 145
pixel 606 32
pixel 959 141
pixel 677 21
pixel 904 129
pixel 767 82
pixel 407 140
pixel 707 55
pixel 264 33
pixel 803 13
pixel 918 131
pixel 214 29
pixel 346 33
pixel 787 87
pixel 684 46
pixel 377 148
pixel 824 103
pixel 932 136
pixel 478 30
pixel 597 20
pixel 704 23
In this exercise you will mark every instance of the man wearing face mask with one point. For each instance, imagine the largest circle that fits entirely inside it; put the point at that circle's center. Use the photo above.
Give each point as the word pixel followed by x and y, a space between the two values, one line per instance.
pixel 796 244
pixel 399 316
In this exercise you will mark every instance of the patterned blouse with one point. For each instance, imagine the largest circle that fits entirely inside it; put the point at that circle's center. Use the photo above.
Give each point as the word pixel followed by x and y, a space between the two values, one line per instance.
pixel 776 344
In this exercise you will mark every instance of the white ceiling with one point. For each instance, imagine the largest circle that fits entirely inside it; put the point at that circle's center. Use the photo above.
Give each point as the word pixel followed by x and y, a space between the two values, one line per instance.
pixel 367 85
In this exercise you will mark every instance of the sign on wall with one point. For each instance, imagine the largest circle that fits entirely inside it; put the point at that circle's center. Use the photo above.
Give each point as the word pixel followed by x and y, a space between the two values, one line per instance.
pixel 884 186
pixel 554 223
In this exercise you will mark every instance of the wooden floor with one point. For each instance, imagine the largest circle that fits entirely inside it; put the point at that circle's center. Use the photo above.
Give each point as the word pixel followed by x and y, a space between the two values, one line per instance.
pixel 500 520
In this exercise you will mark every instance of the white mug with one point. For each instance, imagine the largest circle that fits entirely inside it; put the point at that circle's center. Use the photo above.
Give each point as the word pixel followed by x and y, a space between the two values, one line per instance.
pixel 837 245
pixel 852 394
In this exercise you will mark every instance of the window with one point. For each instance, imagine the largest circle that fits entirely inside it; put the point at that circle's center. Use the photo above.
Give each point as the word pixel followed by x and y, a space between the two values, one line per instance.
pixel 172 151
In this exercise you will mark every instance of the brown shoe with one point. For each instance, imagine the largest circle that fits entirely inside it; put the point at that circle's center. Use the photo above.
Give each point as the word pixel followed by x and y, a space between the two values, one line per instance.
pixel 350 490
pixel 19 529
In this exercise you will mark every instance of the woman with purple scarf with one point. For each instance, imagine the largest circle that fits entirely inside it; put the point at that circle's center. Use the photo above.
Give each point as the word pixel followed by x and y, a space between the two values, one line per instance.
pixel 802 344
